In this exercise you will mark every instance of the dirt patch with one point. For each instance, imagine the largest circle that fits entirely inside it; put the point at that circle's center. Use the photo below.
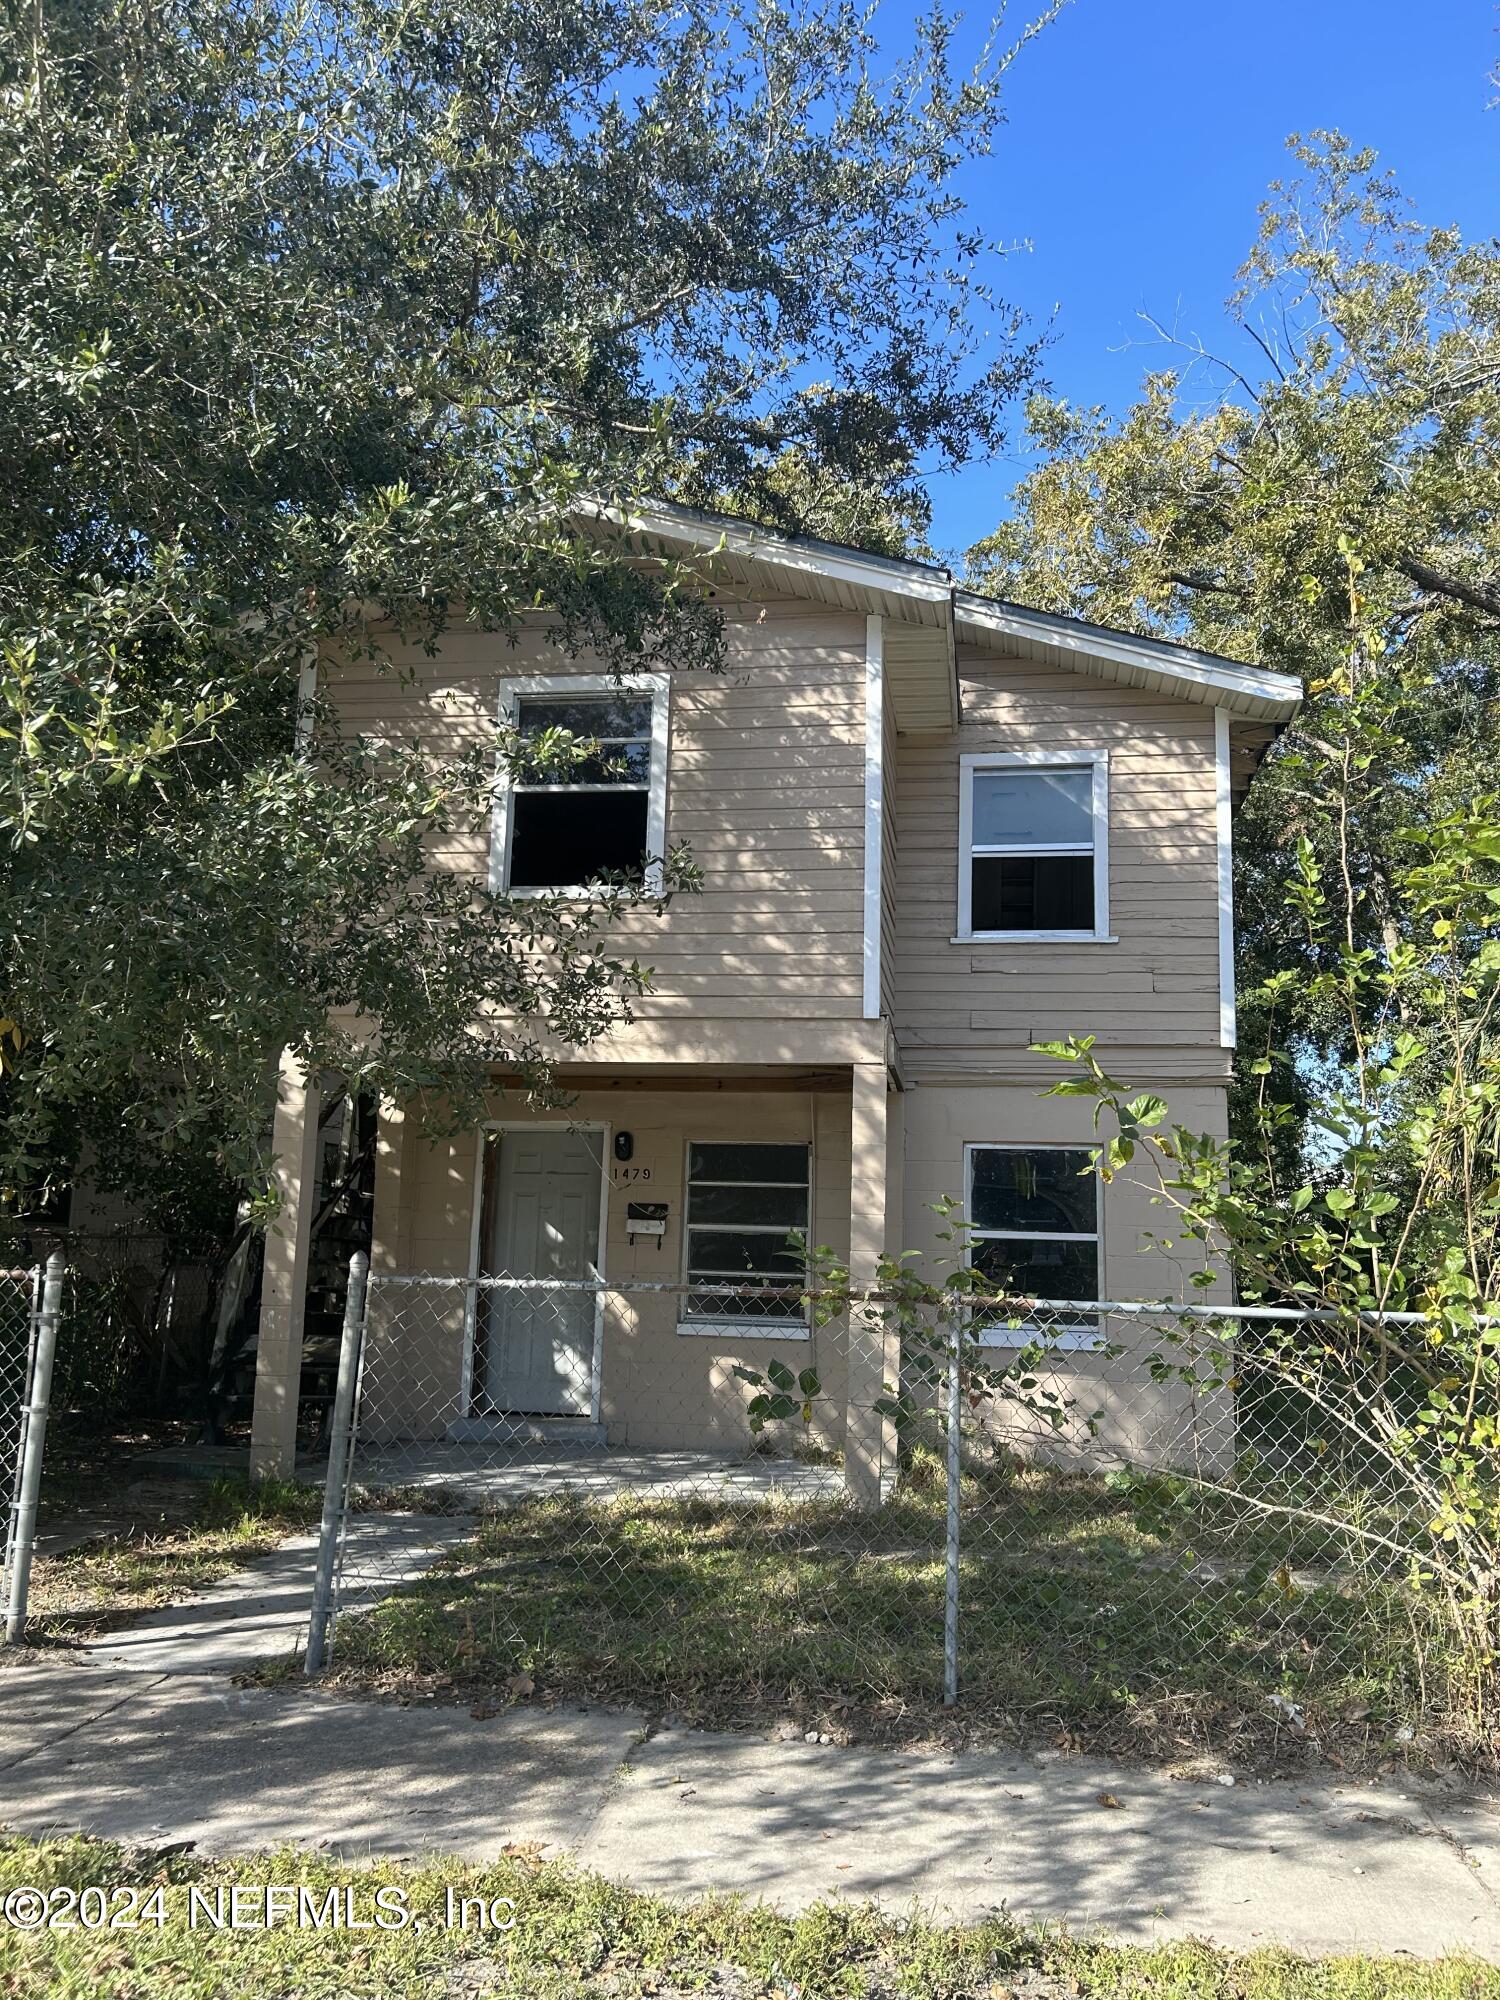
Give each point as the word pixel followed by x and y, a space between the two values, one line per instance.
pixel 115 1541
pixel 1191 1737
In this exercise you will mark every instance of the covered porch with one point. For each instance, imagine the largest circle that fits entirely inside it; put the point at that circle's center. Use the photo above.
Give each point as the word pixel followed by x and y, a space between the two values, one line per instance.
pixel 565 1296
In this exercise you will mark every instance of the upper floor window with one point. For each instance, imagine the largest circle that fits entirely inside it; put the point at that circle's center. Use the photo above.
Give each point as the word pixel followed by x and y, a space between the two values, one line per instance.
pixel 1033 847
pixel 605 815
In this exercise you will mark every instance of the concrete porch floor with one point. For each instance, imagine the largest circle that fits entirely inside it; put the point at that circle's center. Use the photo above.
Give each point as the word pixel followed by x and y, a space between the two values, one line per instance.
pixel 495 1474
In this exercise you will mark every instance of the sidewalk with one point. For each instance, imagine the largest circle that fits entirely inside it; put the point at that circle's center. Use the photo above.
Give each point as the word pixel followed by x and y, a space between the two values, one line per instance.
pixel 155 1755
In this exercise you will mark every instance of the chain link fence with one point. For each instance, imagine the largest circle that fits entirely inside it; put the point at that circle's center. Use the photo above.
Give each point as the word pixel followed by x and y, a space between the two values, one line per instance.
pixel 19 1299
pixel 1118 1524
pixel 30 1309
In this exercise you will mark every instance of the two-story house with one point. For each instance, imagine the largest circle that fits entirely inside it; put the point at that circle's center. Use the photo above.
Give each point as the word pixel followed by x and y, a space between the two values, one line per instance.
pixel 934 829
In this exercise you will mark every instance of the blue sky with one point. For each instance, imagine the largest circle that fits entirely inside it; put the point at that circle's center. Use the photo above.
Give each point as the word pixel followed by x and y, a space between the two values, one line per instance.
pixel 1141 137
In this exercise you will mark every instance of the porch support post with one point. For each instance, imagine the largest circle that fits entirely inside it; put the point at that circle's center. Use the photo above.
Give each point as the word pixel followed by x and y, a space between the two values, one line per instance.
pixel 283 1298
pixel 390 1222
pixel 869 1438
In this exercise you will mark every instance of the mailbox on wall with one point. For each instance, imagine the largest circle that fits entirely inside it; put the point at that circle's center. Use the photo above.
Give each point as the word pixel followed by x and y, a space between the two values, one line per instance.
pixel 646 1218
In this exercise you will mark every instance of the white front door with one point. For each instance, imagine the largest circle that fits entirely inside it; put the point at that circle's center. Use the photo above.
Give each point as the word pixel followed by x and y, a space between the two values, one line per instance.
pixel 539 1346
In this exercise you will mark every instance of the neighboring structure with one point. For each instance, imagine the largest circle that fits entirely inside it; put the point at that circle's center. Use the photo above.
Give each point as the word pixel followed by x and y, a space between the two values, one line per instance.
pixel 934 829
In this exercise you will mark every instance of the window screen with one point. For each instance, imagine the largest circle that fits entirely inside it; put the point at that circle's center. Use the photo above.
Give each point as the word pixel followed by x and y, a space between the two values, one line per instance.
pixel 743 1201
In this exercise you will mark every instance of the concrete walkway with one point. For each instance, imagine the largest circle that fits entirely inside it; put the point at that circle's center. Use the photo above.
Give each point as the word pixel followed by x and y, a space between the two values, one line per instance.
pixel 142 1737
pixel 260 1612
pixel 474 1473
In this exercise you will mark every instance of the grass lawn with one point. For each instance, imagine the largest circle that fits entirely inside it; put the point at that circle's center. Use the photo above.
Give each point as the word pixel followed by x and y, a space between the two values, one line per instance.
pixel 576 1937
pixel 1076 1621
pixel 145 1541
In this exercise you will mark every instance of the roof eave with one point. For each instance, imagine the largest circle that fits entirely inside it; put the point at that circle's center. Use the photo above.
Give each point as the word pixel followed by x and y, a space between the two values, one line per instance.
pixel 924 594
pixel 1256 692
pixel 924 583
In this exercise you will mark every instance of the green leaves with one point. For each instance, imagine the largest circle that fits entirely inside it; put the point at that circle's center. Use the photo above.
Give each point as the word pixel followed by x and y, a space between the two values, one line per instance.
pixel 1334 511
pixel 783 1394
pixel 1337 515
pixel 318 328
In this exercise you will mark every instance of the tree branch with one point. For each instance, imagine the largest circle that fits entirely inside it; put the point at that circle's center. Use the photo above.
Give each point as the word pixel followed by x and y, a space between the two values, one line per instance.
pixel 1198 580
pixel 1478 596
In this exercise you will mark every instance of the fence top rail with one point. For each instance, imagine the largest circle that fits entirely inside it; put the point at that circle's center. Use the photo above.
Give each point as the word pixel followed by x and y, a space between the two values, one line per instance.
pixel 1017 1307
pixel 27 1271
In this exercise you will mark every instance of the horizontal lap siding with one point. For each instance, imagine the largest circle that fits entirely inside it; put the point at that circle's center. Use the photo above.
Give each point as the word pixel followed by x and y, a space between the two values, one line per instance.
pixel 765 786
pixel 972 1009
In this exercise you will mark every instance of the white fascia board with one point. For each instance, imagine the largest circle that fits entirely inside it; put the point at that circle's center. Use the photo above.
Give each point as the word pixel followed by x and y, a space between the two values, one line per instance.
pixel 307 696
pixel 1206 674
pixel 752 543
pixel 1224 826
pixel 1206 677
pixel 874 808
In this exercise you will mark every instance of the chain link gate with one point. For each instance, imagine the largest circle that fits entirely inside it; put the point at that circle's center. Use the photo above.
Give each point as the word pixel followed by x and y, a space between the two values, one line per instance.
pixel 1130 1521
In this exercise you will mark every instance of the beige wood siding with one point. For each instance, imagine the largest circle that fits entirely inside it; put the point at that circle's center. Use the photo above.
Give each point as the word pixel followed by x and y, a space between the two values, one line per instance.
pixel 973 1008
pixel 765 786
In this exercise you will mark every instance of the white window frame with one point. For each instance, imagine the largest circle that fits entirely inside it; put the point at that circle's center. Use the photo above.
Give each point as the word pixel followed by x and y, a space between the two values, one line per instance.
pixel 502 819
pixel 1094 761
pixel 1061 1337
pixel 761 1329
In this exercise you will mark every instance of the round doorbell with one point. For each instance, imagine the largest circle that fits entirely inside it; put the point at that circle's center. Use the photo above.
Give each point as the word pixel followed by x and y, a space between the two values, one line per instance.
pixel 624 1145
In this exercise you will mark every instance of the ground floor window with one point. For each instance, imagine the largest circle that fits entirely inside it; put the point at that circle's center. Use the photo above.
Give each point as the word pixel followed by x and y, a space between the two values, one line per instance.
pixel 744 1199
pixel 1033 1215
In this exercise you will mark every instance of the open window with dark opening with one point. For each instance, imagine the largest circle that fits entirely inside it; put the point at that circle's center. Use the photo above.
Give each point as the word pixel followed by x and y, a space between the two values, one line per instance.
pixel 579 821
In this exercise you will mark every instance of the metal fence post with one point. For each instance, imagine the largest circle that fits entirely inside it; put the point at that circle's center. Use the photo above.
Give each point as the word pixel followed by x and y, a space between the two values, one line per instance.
pixel 950 1603
pixel 38 1399
pixel 340 1441
pixel 18 1458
